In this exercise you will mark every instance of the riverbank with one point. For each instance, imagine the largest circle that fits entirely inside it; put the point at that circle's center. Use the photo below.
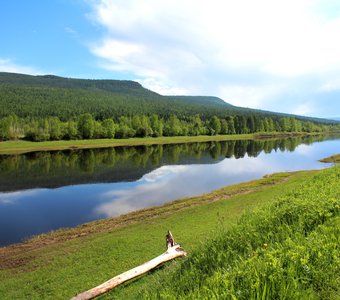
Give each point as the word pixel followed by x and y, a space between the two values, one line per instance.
pixel 60 264
pixel 331 159
pixel 288 249
pixel 19 147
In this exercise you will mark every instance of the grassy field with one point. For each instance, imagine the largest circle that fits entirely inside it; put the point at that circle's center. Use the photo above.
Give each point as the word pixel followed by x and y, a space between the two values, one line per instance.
pixel 286 250
pixel 18 147
pixel 61 264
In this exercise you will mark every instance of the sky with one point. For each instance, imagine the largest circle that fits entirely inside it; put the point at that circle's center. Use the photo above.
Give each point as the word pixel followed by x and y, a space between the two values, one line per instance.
pixel 281 56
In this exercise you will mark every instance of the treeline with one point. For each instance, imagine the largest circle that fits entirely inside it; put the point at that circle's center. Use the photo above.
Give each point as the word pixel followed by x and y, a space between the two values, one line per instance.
pixel 86 127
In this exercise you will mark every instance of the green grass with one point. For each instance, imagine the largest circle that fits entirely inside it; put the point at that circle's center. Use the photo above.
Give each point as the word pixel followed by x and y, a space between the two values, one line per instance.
pixel 17 147
pixel 286 250
pixel 20 146
pixel 60 265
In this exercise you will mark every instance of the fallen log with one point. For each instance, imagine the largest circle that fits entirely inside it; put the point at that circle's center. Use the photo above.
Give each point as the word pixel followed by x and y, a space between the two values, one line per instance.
pixel 174 250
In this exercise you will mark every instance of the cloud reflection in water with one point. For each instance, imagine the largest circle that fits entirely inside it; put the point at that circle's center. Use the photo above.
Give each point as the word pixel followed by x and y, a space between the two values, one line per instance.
pixel 172 182
pixel 12 197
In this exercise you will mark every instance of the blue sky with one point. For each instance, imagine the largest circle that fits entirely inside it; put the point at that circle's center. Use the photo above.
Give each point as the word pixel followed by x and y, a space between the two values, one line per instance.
pixel 275 55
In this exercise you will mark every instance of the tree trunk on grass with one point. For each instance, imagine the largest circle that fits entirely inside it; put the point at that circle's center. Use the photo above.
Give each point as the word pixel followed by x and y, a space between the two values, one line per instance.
pixel 173 251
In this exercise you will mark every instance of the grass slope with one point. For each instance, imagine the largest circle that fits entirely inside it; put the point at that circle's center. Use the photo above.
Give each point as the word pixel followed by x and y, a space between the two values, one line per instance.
pixel 287 250
pixel 64 263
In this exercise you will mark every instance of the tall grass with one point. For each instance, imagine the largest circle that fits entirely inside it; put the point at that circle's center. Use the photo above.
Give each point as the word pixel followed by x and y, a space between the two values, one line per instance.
pixel 288 250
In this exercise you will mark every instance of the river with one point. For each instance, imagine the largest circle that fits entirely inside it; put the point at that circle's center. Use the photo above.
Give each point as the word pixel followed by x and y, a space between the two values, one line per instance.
pixel 45 191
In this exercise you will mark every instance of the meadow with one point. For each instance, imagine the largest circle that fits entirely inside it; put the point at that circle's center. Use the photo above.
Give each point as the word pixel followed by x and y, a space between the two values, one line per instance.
pixel 286 250
pixel 21 146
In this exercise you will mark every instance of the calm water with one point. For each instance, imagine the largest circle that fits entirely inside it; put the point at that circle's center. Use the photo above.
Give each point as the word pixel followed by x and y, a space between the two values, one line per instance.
pixel 45 191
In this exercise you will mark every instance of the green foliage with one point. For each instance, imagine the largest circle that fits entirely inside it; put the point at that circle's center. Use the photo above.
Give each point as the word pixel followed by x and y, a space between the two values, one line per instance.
pixel 108 128
pixel 28 102
pixel 10 128
pixel 288 250
pixel 215 126
pixel 86 126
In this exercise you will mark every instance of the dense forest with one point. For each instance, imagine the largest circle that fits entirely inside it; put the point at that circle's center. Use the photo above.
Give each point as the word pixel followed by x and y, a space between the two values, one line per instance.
pixel 86 127
pixel 40 108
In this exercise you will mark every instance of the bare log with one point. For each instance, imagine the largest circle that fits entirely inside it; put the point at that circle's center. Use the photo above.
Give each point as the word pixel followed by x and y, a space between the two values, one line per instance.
pixel 174 251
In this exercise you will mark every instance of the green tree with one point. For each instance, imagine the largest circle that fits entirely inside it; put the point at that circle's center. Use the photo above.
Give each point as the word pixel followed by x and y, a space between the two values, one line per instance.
pixel 55 128
pixel 241 124
pixel 98 130
pixel 259 126
pixel 172 126
pixel 251 124
pixel 156 126
pixel 285 124
pixel 215 125
pixel 108 128
pixel 86 126
pixel 144 129
pixel 196 126
pixel 71 130
pixel 231 125
pixel 224 126
pixel 10 128
pixel 124 128
pixel 136 123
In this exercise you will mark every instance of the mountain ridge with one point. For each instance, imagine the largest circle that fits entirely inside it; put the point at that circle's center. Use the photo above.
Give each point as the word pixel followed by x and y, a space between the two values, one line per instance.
pixel 51 95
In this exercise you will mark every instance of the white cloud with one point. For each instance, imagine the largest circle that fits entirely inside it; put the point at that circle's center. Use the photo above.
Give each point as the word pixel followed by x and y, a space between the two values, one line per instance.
pixel 248 95
pixel 332 85
pixel 11 198
pixel 162 88
pixel 71 31
pixel 239 50
pixel 7 65
pixel 304 109
pixel 163 172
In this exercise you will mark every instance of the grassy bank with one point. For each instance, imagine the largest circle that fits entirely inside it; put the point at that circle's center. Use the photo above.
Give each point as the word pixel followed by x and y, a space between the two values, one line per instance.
pixel 18 147
pixel 287 250
pixel 61 264
pixel 331 159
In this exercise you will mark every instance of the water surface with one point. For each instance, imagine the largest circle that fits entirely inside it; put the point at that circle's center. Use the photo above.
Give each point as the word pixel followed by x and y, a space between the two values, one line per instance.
pixel 46 191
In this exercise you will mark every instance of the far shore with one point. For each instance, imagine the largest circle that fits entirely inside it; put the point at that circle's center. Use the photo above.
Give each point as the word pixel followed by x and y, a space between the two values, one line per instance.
pixel 331 159
pixel 21 146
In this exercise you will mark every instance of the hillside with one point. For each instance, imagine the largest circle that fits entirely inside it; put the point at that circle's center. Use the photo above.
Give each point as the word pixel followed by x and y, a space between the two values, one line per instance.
pixel 287 250
pixel 49 95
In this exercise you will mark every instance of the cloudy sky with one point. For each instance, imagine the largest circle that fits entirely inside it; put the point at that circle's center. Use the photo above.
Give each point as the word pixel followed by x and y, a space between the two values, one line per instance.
pixel 275 55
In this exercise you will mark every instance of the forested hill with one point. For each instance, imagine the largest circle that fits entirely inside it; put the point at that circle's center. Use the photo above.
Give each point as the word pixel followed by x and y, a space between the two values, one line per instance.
pixel 49 95
pixel 65 98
